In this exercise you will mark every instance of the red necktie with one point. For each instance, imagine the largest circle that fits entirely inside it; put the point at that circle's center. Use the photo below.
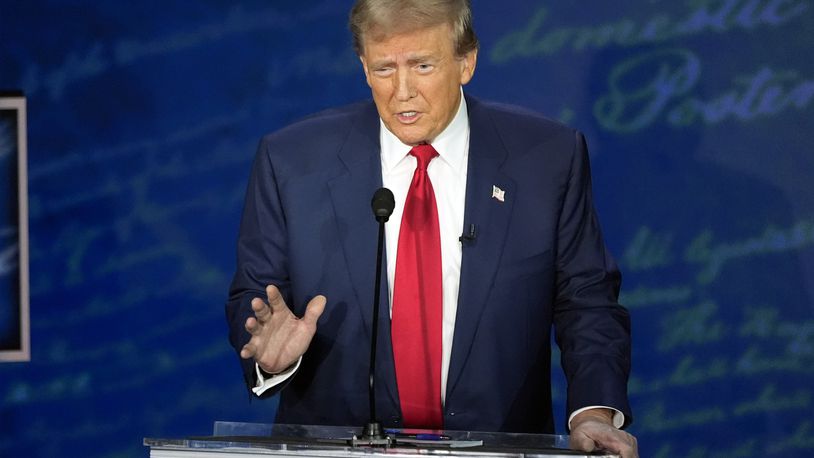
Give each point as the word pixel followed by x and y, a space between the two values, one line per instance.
pixel 417 302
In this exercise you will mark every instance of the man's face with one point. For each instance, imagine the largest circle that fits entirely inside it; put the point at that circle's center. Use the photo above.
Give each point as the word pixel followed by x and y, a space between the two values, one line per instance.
pixel 415 78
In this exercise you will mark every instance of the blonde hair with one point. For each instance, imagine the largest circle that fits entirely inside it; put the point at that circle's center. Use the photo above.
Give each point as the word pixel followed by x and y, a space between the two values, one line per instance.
pixel 381 18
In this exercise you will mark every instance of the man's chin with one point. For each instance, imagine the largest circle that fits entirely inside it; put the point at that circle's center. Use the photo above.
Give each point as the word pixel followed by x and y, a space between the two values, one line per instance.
pixel 411 137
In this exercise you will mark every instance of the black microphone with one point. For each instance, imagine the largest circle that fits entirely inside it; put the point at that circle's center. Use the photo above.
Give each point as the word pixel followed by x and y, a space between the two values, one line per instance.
pixel 471 236
pixel 382 204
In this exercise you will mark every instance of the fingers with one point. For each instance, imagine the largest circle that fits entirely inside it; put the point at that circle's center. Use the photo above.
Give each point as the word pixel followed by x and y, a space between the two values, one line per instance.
pixel 582 442
pixel 314 310
pixel 620 442
pixel 593 435
pixel 253 326
pixel 624 444
pixel 276 304
pixel 261 310
pixel 632 449
pixel 275 298
pixel 248 351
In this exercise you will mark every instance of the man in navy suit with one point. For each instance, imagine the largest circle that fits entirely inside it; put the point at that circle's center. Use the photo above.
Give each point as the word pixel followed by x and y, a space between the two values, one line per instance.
pixel 516 185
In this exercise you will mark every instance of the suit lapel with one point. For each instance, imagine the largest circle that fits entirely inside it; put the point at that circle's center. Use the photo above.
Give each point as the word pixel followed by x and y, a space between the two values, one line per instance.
pixel 491 217
pixel 351 192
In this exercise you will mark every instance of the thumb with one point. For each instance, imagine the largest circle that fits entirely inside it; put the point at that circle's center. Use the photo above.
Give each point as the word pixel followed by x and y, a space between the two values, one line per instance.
pixel 314 310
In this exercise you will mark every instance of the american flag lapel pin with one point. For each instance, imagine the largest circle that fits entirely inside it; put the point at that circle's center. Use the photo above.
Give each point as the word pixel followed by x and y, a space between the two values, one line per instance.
pixel 498 194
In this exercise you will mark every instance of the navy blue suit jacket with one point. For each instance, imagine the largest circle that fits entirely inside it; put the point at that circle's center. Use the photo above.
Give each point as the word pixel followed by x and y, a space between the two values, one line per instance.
pixel 538 260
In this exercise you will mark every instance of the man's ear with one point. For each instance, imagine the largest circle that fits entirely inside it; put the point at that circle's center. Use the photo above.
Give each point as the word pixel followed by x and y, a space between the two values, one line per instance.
pixel 364 68
pixel 468 64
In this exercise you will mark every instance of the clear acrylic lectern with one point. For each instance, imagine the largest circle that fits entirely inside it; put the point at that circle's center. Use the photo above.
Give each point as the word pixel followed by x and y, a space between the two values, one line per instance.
pixel 249 440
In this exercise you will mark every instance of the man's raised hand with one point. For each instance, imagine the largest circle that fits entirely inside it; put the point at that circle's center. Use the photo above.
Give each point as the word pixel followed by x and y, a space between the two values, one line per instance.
pixel 279 338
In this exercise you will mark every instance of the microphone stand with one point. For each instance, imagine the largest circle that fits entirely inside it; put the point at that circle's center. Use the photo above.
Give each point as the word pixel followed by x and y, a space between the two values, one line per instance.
pixel 373 433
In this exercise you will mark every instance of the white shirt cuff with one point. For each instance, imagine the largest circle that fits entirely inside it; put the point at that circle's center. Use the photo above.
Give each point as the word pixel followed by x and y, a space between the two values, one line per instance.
pixel 264 383
pixel 618 417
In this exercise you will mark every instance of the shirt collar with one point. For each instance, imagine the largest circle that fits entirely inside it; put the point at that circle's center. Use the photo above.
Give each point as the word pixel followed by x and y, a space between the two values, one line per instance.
pixel 452 143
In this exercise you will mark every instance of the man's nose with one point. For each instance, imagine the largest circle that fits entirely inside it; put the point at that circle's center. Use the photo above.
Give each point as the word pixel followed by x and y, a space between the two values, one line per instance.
pixel 404 86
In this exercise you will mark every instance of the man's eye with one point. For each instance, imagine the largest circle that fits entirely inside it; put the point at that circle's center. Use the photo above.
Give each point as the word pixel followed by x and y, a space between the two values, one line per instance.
pixel 383 71
pixel 424 68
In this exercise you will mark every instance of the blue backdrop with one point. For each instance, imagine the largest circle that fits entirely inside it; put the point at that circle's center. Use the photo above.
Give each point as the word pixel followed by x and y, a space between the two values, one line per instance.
pixel 144 117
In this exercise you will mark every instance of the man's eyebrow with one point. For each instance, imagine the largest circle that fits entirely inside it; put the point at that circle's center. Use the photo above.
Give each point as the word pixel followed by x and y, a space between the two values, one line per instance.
pixel 383 60
pixel 423 59
pixel 411 60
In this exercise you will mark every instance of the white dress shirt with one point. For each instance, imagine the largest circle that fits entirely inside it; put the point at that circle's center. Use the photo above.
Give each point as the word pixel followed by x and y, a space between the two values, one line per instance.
pixel 447 173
